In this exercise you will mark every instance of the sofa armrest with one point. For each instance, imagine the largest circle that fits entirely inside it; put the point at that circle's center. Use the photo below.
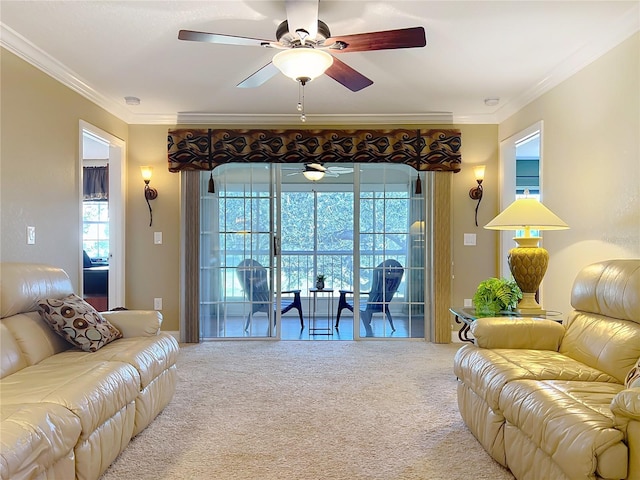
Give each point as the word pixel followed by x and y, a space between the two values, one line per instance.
pixel 135 323
pixel 525 333
pixel 626 405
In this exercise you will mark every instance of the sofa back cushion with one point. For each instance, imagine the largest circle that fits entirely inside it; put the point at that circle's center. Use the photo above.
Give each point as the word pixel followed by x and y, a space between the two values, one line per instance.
pixel 22 285
pixel 610 288
pixel 34 337
pixel 11 358
pixel 603 330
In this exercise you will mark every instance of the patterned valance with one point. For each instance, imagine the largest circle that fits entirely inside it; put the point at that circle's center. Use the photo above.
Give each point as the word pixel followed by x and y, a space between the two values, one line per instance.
pixel 202 149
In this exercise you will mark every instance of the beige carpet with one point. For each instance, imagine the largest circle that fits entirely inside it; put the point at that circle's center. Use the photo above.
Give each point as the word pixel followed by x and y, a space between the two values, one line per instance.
pixel 310 410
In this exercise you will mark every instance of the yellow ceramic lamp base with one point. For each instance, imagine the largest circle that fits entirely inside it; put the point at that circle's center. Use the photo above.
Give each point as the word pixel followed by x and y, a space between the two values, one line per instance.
pixel 528 264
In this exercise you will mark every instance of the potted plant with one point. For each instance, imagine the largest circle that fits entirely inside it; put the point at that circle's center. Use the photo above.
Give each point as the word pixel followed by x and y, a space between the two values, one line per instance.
pixel 496 295
pixel 320 282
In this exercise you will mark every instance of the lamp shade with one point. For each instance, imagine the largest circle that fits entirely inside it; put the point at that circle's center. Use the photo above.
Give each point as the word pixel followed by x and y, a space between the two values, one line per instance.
pixel 302 62
pixel 527 214
pixel 146 172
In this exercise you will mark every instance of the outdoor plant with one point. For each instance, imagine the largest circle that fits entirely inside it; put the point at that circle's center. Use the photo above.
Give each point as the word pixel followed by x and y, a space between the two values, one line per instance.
pixel 496 294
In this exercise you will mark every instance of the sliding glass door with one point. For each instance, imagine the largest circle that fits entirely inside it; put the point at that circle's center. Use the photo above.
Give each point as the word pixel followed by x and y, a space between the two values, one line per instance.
pixel 238 267
pixel 268 232
pixel 391 253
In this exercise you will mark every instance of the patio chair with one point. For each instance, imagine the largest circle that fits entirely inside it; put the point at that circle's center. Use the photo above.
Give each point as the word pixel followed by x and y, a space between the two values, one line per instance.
pixel 253 279
pixel 386 280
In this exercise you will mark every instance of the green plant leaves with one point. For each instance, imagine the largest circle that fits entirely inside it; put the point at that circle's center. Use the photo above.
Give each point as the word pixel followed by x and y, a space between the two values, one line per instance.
pixel 496 294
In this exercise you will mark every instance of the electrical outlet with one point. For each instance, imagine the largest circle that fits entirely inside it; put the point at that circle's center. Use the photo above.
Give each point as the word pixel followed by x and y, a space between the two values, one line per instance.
pixel 468 302
pixel 157 303
pixel 157 238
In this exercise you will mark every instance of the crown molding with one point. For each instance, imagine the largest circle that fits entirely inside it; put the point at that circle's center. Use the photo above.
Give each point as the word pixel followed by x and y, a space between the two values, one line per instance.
pixel 20 46
pixel 603 41
pixel 440 118
pixel 30 53
pixel 314 119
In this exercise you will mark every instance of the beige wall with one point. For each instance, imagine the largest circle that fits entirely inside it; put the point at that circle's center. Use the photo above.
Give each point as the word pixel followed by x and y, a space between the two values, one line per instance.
pixel 153 270
pixel 590 179
pixel 591 171
pixel 39 158
pixel 472 264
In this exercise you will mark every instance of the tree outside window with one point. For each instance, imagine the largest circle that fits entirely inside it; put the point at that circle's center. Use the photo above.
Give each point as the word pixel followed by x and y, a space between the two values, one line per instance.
pixel 95 229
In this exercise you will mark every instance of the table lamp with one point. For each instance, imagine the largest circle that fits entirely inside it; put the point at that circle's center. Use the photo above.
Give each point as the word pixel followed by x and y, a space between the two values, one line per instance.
pixel 528 261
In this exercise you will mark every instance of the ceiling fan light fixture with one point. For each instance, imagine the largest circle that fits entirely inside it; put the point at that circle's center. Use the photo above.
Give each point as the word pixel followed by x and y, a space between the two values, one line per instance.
pixel 302 63
pixel 313 175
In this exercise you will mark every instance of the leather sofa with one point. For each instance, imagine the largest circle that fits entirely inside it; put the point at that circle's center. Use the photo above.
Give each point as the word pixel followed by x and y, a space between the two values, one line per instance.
pixel 556 401
pixel 67 413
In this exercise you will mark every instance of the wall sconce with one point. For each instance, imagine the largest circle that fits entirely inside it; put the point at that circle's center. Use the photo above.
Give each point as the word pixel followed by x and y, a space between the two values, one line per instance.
pixel 149 192
pixel 476 192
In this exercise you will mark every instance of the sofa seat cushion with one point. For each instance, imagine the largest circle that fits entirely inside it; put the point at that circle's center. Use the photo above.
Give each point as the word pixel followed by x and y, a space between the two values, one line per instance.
pixel 570 422
pixel 487 371
pixel 35 437
pixel 93 391
pixel 150 356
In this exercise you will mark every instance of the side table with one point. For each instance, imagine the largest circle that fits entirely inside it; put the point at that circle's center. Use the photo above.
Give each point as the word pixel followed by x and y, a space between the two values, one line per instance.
pixel 467 315
pixel 315 315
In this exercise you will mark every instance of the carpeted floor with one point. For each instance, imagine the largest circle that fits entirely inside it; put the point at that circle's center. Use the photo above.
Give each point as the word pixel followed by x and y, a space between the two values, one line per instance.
pixel 310 410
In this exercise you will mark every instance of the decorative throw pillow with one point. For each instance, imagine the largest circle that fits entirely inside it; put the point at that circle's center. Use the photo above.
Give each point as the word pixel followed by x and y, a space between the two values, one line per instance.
pixel 633 377
pixel 78 322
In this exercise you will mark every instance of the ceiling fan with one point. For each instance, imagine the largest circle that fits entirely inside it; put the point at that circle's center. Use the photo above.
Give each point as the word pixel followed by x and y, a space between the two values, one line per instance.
pixel 305 41
pixel 317 171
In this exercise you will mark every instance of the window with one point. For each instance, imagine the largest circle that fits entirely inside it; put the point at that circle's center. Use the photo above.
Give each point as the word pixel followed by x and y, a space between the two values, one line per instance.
pixel 95 229
pixel 317 238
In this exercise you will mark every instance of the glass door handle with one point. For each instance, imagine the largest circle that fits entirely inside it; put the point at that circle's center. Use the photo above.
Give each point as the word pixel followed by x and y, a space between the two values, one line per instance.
pixel 276 245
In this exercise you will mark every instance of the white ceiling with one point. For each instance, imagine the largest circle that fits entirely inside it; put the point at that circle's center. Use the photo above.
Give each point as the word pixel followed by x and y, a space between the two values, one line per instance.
pixel 514 50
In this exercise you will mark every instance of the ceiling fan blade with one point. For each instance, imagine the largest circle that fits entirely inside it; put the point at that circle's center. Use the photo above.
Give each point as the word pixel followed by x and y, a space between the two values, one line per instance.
pixel 341 170
pixel 259 77
pixel 316 166
pixel 302 14
pixel 386 40
pixel 192 36
pixel 347 76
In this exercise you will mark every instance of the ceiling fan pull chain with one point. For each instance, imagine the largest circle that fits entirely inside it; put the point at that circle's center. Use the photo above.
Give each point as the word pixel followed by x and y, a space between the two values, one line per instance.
pixel 303 116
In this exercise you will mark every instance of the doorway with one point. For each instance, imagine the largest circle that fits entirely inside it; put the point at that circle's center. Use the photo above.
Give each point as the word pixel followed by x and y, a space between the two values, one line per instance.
pixel 102 217
pixel 521 167
pixel 343 227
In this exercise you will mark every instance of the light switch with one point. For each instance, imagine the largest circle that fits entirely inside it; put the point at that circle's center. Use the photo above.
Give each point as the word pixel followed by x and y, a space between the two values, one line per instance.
pixel 31 235
pixel 470 239
pixel 157 238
